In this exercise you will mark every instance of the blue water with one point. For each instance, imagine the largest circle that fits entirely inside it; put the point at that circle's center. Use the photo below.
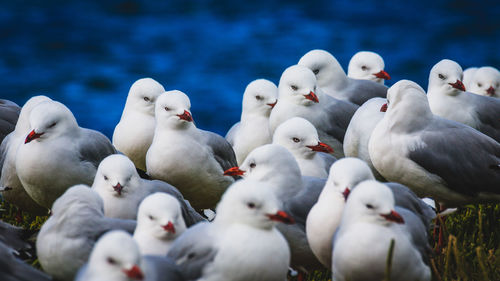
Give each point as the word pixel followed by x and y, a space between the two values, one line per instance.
pixel 87 54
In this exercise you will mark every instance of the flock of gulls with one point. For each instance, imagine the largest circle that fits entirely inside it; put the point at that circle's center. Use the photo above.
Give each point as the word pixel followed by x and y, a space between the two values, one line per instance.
pixel 324 171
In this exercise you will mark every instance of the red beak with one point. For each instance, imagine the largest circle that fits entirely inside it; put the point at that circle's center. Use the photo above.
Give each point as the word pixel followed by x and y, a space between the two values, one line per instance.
pixel 383 108
pixel 346 193
pixel 312 96
pixel 490 91
pixel 134 273
pixel 186 116
pixel 383 75
pixel 234 171
pixel 272 104
pixel 394 217
pixel 118 188
pixel 32 136
pixel 281 217
pixel 169 227
pixel 321 147
pixel 458 85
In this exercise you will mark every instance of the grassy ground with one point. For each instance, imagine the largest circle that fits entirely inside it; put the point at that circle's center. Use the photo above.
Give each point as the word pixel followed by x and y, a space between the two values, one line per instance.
pixel 470 243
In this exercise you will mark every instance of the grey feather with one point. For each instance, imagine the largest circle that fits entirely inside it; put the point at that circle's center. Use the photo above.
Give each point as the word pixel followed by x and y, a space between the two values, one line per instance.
pixel 339 114
pixel 12 269
pixel 488 111
pixel 95 147
pixel 158 268
pixel 365 90
pixel 221 148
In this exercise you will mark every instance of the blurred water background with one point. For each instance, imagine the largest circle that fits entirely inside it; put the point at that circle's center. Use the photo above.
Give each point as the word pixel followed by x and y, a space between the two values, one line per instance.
pixel 87 54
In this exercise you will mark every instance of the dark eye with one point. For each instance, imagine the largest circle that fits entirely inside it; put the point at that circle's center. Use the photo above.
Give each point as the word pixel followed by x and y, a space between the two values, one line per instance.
pixel 479 84
pixel 259 97
pixel 146 99
pixel 111 260
pixel 441 76
pixel 52 125
pixel 369 206
pixel 364 67
pixel 167 109
pixel 105 178
pixel 251 205
pixel 316 71
pixel 296 140
pixel 252 165
pixel 295 88
pixel 151 217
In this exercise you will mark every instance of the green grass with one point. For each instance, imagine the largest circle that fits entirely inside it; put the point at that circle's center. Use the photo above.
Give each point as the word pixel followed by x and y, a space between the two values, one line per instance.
pixel 470 247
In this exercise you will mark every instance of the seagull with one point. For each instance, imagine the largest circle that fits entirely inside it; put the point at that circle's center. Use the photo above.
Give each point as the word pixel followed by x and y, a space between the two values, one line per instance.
pixel 412 146
pixel 299 97
pixel 300 137
pixel 134 133
pixel 360 129
pixel 122 189
pixel 468 74
pixel 13 190
pixel 276 166
pixel 9 112
pixel 324 217
pixel 485 82
pixel 367 66
pixel 333 81
pixel 14 237
pixel 116 257
pixel 66 239
pixel 448 99
pixel 253 130
pixel 57 153
pixel 361 245
pixel 159 223
pixel 191 159
pixel 13 269
pixel 239 242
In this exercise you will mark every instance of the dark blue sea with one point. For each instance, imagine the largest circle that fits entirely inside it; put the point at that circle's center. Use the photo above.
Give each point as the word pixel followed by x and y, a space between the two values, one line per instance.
pixel 87 54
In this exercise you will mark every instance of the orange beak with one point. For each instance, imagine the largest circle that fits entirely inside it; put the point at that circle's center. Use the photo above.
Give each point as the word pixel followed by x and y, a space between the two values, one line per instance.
pixel 312 96
pixel 281 216
pixel 490 91
pixel 321 147
pixel 32 136
pixel 134 273
pixel 383 108
pixel 458 85
pixel 382 75
pixel 272 104
pixel 169 227
pixel 234 171
pixel 186 116
pixel 394 217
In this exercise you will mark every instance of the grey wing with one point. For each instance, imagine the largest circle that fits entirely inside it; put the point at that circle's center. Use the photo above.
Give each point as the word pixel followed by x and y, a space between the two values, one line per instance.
pixel 300 205
pixel 158 268
pixel 232 132
pixel 188 212
pixel 9 113
pixel 222 150
pixel 467 160
pixel 106 224
pixel 194 250
pixel 366 90
pixel 94 147
pixel 338 116
pixel 418 232
pixel 14 237
pixel 328 159
pixel 4 147
pixel 407 199
pixel 488 111
pixel 12 269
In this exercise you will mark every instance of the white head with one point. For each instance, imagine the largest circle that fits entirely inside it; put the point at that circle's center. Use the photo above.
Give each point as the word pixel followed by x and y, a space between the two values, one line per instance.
pixel 142 96
pixel 250 202
pixel 346 173
pixel 160 216
pixel 324 66
pixel 371 202
pixel 260 97
pixel 115 256
pixel 300 137
pixel 117 176
pixel 23 123
pixel 173 110
pixel 486 82
pixel 298 85
pixel 50 119
pixel 368 66
pixel 446 78
pixel 275 165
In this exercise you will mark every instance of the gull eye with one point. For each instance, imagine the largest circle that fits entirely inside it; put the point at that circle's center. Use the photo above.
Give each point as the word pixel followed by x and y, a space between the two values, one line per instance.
pixel 167 109
pixel 252 165
pixel 369 206
pixel 105 178
pixel 295 88
pixel 364 68
pixel 151 217
pixel 441 76
pixel 146 99
pixel 111 260
pixel 479 85
pixel 52 125
pixel 316 71
pixel 296 140
pixel 251 205
pixel 259 97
